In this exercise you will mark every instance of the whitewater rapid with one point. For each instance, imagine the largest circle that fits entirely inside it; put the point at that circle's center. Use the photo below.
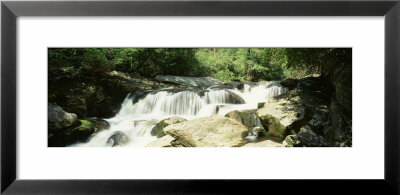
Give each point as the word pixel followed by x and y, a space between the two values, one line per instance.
pixel 140 112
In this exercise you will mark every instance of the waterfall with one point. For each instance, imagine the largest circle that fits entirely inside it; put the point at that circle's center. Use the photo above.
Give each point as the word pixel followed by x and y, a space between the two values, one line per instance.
pixel 253 134
pixel 222 97
pixel 141 111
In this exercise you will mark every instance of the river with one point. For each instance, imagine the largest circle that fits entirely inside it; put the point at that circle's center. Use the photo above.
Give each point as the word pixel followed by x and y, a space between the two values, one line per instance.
pixel 141 111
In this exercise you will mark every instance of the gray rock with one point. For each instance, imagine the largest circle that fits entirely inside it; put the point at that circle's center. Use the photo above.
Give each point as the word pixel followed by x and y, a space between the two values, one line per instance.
pixel 118 139
pixel 58 119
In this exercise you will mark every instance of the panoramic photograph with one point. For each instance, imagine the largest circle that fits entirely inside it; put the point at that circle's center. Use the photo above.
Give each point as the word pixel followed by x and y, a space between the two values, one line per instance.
pixel 199 97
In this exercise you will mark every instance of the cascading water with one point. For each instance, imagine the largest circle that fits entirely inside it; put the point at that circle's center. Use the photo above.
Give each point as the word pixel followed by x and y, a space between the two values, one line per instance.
pixel 138 116
pixel 252 135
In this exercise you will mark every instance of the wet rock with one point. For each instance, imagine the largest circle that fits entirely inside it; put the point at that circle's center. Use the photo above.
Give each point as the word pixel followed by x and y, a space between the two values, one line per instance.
pixel 246 117
pixel 118 139
pixel 213 131
pixel 240 86
pixel 158 129
pixel 98 123
pixel 138 95
pixel 80 133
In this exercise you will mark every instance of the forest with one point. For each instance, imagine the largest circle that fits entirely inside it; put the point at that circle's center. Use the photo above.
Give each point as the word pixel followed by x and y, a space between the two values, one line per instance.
pixel 225 64
pixel 200 97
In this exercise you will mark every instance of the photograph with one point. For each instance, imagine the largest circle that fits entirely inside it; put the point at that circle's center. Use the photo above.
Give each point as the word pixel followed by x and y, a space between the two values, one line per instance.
pixel 199 97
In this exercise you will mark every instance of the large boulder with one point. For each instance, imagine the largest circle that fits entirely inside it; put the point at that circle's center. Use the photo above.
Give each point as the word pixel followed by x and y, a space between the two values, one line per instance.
pixel 162 142
pixel 280 113
pixel 246 117
pixel 58 119
pixel 286 114
pixel 158 129
pixel 213 131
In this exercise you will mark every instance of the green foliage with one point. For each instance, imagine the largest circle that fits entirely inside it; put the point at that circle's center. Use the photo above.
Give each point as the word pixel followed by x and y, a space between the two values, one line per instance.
pixel 225 64
pixel 224 75
pixel 323 61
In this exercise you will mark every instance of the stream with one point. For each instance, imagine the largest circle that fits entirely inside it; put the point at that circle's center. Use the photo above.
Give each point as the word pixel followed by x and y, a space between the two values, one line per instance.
pixel 142 110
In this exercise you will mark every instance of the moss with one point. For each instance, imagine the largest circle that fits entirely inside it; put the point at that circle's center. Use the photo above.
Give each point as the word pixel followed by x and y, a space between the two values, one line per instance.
pixel 262 133
pixel 247 119
pixel 275 128
pixel 86 124
pixel 158 129
pixel 160 132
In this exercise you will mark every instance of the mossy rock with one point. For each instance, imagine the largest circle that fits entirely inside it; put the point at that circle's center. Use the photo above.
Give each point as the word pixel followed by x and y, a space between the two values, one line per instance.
pixel 275 128
pixel 158 129
pixel 245 117
pixel 82 132
pixel 60 120
pixel 248 119
pixel 97 123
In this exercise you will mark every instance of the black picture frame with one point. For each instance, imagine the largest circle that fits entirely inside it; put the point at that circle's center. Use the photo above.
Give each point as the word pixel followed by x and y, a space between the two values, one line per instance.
pixel 10 10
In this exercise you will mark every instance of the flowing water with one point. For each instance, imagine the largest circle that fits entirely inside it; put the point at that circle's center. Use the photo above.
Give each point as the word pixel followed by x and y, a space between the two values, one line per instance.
pixel 140 112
